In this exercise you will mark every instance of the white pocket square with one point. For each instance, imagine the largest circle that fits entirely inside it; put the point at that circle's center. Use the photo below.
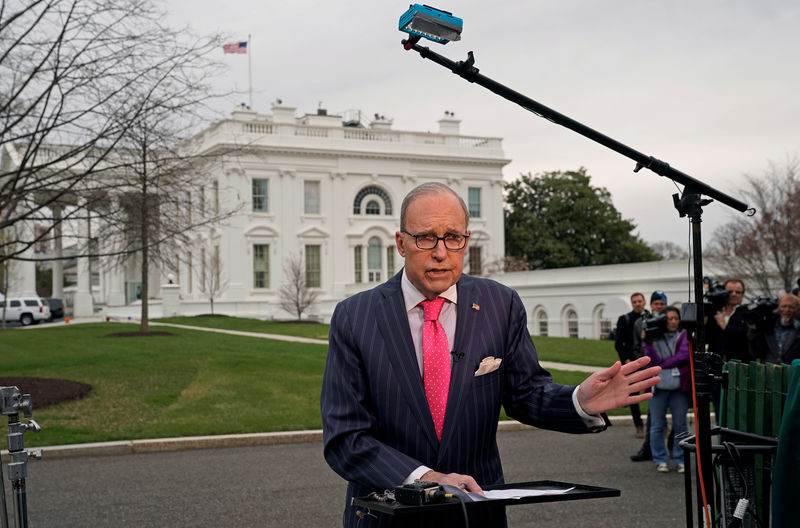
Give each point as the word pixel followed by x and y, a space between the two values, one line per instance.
pixel 488 364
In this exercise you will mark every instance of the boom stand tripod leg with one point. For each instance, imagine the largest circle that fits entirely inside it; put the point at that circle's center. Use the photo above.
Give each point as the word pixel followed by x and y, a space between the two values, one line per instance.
pixel 11 403
pixel 690 204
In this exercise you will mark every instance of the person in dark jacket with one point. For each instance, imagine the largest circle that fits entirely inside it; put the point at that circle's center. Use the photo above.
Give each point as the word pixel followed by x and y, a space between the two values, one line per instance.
pixel 624 344
pixel 726 332
pixel 779 342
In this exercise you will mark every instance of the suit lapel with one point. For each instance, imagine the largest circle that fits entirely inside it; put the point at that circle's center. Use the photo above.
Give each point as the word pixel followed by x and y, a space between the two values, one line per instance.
pixel 392 322
pixel 461 375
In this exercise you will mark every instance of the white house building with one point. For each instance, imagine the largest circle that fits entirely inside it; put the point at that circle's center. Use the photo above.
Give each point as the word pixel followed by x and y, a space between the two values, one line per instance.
pixel 329 188
pixel 321 186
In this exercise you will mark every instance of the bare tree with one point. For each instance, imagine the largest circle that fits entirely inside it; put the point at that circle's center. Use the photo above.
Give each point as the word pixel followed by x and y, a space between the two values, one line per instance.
pixel 212 280
pixel 505 264
pixel 97 100
pixel 102 101
pixel 669 250
pixel 767 244
pixel 294 294
pixel 67 68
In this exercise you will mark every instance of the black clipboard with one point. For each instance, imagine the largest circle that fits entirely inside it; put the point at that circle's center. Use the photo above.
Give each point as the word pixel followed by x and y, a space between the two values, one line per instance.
pixel 579 492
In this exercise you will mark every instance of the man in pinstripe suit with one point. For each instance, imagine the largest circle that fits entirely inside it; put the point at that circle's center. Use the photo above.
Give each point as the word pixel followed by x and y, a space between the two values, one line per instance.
pixel 378 427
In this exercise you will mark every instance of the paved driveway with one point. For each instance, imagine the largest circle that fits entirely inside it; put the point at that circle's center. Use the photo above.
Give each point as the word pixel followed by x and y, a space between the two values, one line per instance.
pixel 290 485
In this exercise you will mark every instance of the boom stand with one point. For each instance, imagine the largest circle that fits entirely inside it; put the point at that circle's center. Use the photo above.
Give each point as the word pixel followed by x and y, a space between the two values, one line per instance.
pixel 690 204
pixel 11 403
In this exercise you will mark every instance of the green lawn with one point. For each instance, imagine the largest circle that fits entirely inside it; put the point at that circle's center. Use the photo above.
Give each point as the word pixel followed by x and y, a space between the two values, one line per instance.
pixel 190 383
pixel 560 349
pixel 576 351
pixel 312 330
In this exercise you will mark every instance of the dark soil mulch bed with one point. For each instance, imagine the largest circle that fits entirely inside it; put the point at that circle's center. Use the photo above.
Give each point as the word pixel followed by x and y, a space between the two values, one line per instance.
pixel 139 333
pixel 46 391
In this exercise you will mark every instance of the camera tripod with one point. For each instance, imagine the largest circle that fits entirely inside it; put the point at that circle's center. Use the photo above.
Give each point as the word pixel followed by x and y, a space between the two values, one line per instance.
pixel 12 402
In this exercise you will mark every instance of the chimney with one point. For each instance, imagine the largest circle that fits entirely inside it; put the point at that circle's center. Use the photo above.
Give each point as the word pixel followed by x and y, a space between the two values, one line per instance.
pixel 242 112
pixel 380 122
pixel 281 113
pixel 449 124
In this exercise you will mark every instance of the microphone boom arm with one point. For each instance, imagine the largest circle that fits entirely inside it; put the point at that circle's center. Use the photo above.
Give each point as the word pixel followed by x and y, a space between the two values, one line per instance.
pixel 467 70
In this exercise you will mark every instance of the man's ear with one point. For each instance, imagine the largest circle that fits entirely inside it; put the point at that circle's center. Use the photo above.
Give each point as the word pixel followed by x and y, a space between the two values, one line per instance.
pixel 398 239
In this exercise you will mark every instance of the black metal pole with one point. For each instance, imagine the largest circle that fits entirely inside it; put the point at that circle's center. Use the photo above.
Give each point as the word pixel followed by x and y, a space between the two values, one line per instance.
pixel 702 375
pixel 468 71
pixel 21 503
pixel 3 506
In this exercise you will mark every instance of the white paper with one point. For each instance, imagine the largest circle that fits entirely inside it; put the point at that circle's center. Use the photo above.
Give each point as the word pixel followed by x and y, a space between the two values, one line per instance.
pixel 516 493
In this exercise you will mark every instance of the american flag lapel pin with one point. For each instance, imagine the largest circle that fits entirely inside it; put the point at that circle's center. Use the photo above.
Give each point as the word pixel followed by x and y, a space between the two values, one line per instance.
pixel 476 307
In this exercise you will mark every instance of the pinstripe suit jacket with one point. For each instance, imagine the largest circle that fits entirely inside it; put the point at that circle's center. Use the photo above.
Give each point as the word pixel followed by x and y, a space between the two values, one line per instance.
pixel 376 420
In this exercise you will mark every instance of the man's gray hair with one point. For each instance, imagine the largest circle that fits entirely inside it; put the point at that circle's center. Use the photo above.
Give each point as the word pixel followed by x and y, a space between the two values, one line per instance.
pixel 430 188
pixel 793 297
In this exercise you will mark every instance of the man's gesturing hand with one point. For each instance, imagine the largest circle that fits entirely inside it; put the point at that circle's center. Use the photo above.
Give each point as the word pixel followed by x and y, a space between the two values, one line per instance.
pixel 464 482
pixel 618 386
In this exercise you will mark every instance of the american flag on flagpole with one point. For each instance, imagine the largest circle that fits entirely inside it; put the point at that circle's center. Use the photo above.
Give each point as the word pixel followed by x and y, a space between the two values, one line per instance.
pixel 235 47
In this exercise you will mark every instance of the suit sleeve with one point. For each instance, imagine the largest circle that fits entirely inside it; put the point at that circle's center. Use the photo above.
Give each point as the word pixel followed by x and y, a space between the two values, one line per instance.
pixel 350 447
pixel 530 395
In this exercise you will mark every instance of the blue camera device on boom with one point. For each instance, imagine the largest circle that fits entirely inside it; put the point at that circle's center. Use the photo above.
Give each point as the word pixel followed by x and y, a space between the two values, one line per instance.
pixel 431 23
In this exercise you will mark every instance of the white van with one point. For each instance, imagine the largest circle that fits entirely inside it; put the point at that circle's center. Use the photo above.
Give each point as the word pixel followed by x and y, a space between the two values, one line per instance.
pixel 27 311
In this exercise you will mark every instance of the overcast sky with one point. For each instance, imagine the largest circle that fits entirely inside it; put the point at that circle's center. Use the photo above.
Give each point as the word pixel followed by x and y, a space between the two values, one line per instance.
pixel 711 87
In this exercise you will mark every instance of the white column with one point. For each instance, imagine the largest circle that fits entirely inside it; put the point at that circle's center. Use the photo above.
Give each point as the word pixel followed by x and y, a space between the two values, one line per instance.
pixel 58 265
pixel 26 269
pixel 170 303
pixel 84 304
pixel 116 292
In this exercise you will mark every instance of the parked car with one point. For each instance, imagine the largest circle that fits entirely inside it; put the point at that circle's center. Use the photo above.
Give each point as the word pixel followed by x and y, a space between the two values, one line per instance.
pixel 56 308
pixel 27 311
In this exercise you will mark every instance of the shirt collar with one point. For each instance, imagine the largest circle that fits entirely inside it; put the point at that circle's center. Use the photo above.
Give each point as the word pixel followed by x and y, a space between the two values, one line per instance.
pixel 412 296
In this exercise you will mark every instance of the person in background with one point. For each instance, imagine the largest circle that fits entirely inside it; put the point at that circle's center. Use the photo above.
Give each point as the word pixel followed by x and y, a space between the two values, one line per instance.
pixel 671 352
pixel 658 301
pixel 726 333
pixel 780 341
pixel 624 344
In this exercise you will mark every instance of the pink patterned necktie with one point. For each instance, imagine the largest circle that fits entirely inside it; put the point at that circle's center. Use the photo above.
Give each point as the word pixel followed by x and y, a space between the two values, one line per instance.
pixel 435 362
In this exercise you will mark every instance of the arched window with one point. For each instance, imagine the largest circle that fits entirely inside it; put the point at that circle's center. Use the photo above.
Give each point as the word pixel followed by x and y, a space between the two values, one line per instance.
pixel 374 259
pixel 541 322
pixel 377 191
pixel 572 323
pixel 604 323
pixel 373 208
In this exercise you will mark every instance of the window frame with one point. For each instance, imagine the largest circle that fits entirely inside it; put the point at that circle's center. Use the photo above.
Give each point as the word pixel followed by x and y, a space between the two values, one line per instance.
pixel 313 273
pixel 266 271
pixel 254 195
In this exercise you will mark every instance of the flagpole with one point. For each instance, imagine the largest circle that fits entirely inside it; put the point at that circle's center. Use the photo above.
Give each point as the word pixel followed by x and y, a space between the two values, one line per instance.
pixel 250 69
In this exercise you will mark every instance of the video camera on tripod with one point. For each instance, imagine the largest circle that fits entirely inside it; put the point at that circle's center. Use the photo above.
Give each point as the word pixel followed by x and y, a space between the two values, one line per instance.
pixel 761 312
pixel 13 402
pixel 654 326
pixel 715 297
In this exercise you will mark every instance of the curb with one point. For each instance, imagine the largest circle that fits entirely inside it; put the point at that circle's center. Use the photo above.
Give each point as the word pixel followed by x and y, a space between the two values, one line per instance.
pixel 162 445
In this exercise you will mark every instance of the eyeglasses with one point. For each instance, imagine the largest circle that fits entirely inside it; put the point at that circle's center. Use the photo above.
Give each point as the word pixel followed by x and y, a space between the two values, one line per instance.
pixel 451 241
